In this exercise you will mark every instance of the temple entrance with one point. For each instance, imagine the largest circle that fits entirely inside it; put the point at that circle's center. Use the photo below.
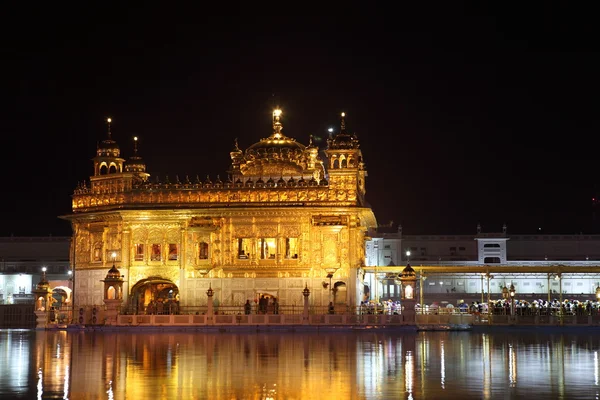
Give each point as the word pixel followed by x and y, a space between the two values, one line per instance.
pixel 339 293
pixel 154 295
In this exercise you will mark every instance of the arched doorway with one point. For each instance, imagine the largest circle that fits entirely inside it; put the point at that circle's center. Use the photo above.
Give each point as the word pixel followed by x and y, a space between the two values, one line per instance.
pixel 61 296
pixel 154 295
pixel 339 293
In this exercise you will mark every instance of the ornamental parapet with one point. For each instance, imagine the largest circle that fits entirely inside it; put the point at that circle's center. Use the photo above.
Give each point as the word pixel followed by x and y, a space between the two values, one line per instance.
pixel 159 197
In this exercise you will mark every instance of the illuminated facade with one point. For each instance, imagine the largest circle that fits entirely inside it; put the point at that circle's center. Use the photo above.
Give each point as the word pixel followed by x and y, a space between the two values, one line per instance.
pixel 283 220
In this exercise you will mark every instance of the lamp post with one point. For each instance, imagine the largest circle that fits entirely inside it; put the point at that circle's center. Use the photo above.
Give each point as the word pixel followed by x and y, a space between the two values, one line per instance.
pixel 422 278
pixel 305 293
pixel 512 298
pixel 482 275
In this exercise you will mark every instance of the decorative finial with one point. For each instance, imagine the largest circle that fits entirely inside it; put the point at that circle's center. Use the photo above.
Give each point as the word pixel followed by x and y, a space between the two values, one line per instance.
pixel 343 124
pixel 277 127
pixel 236 146
pixel 310 140
pixel 108 121
pixel 135 139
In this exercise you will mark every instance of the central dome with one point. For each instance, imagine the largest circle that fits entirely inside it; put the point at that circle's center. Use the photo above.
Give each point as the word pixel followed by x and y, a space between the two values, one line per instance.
pixel 274 156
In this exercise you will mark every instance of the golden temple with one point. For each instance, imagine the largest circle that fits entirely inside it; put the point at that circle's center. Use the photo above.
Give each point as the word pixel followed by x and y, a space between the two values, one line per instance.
pixel 285 219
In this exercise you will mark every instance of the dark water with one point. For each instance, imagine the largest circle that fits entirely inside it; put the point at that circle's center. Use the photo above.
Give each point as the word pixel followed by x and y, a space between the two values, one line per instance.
pixel 371 365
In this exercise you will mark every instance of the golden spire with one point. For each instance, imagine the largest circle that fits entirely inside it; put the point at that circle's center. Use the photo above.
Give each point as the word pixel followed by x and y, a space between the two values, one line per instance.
pixel 135 139
pixel 343 124
pixel 277 127
pixel 108 121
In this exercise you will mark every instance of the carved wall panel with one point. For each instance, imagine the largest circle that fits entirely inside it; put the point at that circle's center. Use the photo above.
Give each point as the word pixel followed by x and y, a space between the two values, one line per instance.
pixel 138 273
pixel 330 249
pixel 242 231
pixel 290 231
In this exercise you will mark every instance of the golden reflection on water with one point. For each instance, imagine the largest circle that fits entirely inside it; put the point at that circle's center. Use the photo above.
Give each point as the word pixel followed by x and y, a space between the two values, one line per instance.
pixel 375 365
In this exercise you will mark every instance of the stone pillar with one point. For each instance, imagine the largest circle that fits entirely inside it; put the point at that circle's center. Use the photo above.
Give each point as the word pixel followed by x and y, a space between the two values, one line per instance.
pixel 305 293
pixel 210 313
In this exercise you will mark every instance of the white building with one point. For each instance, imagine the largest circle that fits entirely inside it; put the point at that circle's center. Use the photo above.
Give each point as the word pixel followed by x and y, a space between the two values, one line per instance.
pixel 21 262
pixel 390 248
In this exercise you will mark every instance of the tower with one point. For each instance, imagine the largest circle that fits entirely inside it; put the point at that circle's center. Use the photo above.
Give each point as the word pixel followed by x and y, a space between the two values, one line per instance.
pixel 108 160
pixel 345 165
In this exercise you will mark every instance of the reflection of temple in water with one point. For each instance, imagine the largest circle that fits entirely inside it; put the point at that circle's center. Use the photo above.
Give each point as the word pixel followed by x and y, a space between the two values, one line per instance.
pixel 283 219
pixel 292 365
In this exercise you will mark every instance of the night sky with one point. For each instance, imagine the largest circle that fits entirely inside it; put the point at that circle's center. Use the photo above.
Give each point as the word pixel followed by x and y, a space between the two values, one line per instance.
pixel 465 114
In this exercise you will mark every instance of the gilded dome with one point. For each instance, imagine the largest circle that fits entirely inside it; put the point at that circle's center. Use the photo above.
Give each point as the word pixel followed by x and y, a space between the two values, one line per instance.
pixel 108 148
pixel 113 274
pixel 276 155
pixel 135 162
pixel 408 272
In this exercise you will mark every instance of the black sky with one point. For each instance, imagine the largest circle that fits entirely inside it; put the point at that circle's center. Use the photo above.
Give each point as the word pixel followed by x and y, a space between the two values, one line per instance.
pixel 465 114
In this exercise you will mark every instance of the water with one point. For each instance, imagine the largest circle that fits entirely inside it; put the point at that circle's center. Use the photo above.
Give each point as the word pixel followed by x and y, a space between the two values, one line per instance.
pixel 340 365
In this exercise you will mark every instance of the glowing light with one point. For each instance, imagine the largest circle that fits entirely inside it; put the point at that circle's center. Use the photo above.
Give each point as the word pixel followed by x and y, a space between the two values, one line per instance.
pixel 408 253
pixel 277 112
pixel 330 130
pixel 343 114
pixel 109 120
pixel 44 269
pixel 70 272
pixel 135 138
pixel 114 255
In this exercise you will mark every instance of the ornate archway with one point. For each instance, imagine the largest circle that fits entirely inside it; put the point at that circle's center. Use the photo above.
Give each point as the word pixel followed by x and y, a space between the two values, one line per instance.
pixel 152 290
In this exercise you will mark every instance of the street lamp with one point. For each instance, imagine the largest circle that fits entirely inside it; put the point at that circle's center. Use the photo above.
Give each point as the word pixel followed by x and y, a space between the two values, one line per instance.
pixel 407 255
pixel 423 278
pixel 512 298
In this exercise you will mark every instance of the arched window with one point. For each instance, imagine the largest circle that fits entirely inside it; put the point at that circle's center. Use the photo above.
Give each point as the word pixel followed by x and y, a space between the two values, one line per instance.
pixel 112 169
pixel 203 251
pixel 110 293
pixel 98 252
pixel 344 163
pixel 336 164
pixel 103 170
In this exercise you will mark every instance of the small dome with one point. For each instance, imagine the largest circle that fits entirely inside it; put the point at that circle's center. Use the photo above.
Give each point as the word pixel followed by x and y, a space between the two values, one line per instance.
pixel 108 148
pixel 281 182
pixel 135 164
pixel 408 272
pixel 113 274
pixel 342 141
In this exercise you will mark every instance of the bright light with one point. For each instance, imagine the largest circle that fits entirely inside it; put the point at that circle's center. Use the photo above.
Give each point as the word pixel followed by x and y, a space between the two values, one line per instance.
pixel 43 269
pixel 135 138
pixel 109 120
pixel 70 272
pixel 114 255
pixel 408 253
pixel 277 112
pixel 343 114
pixel 330 130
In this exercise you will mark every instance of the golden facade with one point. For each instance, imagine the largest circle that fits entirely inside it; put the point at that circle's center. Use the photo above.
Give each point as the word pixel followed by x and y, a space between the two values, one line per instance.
pixel 283 220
